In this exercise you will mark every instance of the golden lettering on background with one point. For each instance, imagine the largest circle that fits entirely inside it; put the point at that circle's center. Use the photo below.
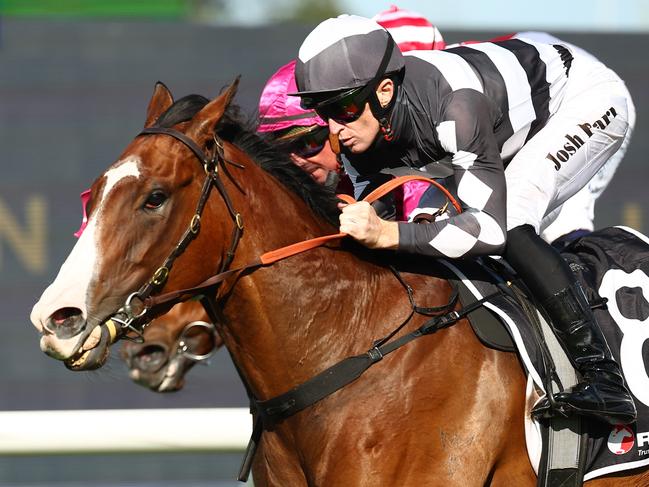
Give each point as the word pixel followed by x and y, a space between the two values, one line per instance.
pixel 632 216
pixel 26 240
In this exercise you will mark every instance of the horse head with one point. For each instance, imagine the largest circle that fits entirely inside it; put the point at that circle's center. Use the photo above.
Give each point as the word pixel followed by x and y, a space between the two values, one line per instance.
pixel 139 210
pixel 173 344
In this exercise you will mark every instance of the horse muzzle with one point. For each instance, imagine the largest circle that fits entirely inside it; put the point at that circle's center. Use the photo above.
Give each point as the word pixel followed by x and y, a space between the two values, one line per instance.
pixel 94 350
pixel 152 365
pixel 86 351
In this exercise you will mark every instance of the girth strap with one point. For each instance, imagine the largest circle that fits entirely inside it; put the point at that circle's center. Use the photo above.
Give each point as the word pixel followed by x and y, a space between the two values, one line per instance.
pixel 339 375
pixel 348 370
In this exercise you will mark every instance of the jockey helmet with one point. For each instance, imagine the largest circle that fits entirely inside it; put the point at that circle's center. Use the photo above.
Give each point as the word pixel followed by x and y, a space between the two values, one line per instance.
pixel 410 30
pixel 278 110
pixel 342 54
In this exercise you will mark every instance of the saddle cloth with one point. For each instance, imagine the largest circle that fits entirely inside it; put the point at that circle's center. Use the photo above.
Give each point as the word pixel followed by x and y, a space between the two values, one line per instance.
pixel 613 264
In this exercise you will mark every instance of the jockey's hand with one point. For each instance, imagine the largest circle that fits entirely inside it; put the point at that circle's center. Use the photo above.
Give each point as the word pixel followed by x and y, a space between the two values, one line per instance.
pixel 360 221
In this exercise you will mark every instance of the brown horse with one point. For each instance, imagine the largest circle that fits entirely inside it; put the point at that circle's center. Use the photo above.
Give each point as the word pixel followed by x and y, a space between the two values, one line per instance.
pixel 442 410
pixel 173 343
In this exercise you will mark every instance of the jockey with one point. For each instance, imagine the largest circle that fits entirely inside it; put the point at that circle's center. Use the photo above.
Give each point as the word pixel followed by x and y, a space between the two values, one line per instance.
pixel 305 136
pixel 301 132
pixel 282 118
pixel 522 125
pixel 575 217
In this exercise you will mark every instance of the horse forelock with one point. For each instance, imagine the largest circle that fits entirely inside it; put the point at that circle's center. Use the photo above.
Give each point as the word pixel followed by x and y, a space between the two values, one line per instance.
pixel 182 110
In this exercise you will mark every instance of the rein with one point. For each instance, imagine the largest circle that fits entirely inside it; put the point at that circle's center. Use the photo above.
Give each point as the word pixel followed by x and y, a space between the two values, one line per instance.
pixel 273 256
pixel 132 321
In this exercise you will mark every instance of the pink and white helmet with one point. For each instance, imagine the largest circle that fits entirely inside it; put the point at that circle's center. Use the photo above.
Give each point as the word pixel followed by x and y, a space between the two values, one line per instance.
pixel 278 110
pixel 410 30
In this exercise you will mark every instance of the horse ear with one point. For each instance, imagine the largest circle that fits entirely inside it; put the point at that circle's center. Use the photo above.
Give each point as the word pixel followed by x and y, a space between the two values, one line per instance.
pixel 160 101
pixel 203 123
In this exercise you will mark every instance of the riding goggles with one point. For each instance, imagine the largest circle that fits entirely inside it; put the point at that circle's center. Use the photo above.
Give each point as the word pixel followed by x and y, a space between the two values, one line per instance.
pixel 310 143
pixel 346 107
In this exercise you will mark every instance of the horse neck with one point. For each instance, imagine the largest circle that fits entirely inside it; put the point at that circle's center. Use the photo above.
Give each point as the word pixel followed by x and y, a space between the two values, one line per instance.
pixel 288 321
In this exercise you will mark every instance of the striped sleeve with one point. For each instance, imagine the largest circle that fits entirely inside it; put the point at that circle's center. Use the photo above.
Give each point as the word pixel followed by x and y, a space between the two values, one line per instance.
pixel 465 131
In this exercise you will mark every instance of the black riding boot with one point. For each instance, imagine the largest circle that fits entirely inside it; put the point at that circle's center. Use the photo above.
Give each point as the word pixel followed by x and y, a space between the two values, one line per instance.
pixel 602 393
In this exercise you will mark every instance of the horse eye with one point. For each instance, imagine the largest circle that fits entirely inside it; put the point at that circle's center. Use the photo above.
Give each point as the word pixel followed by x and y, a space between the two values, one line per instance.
pixel 155 200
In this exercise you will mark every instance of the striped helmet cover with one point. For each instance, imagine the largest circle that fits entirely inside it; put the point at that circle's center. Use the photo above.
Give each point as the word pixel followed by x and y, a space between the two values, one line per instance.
pixel 410 30
pixel 343 53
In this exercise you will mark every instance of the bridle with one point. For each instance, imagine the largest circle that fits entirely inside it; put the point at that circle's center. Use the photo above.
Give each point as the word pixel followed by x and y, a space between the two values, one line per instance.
pixel 129 322
pixel 182 345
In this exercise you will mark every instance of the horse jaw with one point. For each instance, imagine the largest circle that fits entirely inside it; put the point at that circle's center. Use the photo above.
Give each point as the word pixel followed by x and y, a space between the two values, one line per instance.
pixel 93 352
pixel 141 358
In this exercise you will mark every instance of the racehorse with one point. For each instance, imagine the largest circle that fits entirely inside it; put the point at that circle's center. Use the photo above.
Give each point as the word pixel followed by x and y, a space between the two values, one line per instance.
pixel 442 410
pixel 172 344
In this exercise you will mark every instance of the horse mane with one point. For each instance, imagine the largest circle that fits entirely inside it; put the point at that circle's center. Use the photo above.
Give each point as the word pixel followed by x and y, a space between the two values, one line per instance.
pixel 239 130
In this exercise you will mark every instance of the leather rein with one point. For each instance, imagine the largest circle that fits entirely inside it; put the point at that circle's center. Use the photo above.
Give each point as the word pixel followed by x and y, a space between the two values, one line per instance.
pixel 142 306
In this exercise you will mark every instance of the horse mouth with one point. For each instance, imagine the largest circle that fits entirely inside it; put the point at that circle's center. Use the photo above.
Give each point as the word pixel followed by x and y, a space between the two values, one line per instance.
pixel 170 378
pixel 174 377
pixel 93 352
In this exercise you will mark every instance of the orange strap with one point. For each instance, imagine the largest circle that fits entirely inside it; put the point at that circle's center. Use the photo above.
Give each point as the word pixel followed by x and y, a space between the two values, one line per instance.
pixel 296 248
pixel 346 198
pixel 399 181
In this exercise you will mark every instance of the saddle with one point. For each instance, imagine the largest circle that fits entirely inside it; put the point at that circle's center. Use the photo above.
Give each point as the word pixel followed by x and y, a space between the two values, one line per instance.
pixel 613 267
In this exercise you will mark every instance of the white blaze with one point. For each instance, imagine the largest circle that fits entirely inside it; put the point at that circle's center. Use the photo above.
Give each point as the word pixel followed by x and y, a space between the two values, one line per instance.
pixel 71 286
pixel 128 167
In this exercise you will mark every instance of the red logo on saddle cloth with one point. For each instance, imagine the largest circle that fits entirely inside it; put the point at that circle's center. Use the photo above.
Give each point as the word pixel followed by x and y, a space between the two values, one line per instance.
pixel 620 441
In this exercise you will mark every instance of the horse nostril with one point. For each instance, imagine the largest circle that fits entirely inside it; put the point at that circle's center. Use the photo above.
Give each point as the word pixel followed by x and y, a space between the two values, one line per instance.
pixel 60 315
pixel 150 358
pixel 66 322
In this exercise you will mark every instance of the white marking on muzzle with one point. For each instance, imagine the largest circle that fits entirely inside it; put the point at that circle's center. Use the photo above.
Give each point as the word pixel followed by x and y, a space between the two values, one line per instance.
pixel 70 289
